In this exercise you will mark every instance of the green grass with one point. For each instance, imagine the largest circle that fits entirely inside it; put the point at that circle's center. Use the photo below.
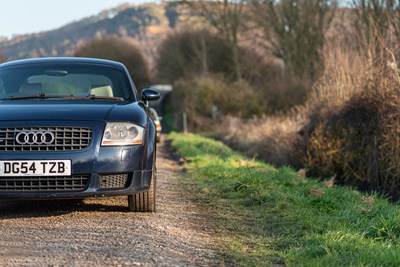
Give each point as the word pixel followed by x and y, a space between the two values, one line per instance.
pixel 269 216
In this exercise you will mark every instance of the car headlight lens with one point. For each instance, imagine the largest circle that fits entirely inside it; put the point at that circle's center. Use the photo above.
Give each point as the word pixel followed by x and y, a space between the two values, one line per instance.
pixel 120 134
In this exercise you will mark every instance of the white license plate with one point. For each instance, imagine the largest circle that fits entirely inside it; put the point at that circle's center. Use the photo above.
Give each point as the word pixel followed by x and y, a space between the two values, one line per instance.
pixel 35 168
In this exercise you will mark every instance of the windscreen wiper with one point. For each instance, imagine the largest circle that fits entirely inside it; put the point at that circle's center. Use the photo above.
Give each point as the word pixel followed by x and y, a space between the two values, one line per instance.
pixel 47 96
pixel 39 96
pixel 104 97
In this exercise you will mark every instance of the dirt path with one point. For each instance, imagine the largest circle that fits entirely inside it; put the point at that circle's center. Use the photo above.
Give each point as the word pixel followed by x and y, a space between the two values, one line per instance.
pixel 99 232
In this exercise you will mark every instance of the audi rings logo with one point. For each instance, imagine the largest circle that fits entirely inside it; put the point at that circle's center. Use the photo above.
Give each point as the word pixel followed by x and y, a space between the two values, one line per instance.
pixel 35 138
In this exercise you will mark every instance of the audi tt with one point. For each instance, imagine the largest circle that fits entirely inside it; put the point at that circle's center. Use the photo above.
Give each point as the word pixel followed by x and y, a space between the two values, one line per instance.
pixel 75 128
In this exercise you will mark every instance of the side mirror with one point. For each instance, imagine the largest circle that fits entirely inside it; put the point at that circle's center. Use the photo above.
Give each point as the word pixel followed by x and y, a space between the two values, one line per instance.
pixel 149 94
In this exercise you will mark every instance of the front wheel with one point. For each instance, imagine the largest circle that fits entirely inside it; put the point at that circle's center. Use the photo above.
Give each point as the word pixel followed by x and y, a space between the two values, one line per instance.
pixel 144 201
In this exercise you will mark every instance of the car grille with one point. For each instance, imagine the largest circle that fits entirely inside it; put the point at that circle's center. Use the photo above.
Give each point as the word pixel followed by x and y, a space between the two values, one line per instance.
pixel 66 138
pixel 44 183
pixel 108 181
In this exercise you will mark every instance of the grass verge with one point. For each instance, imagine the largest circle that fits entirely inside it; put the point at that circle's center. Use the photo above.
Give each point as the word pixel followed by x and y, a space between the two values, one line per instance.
pixel 269 216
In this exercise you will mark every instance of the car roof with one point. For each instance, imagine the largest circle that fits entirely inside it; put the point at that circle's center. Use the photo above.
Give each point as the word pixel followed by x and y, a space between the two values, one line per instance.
pixel 62 60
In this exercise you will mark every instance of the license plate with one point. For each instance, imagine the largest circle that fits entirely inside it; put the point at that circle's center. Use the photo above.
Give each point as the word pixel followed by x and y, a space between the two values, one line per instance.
pixel 35 168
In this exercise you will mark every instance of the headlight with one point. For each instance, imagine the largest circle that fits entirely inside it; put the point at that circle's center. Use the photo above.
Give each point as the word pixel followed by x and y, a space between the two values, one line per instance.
pixel 120 134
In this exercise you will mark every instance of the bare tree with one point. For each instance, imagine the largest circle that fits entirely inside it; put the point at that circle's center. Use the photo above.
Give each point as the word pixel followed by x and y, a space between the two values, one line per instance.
pixel 295 31
pixel 185 53
pixel 376 18
pixel 225 16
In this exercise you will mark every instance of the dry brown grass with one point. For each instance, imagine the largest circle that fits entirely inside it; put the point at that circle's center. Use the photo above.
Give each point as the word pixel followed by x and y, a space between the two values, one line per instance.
pixel 272 138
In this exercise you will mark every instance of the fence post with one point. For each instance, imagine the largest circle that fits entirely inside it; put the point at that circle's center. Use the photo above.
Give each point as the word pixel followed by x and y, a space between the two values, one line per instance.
pixel 184 117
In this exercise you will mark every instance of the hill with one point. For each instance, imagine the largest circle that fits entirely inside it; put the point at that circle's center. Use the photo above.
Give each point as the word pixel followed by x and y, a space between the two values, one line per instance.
pixel 145 24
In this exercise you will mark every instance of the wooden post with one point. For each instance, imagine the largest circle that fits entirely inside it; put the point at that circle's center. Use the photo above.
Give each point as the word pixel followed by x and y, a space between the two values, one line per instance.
pixel 184 117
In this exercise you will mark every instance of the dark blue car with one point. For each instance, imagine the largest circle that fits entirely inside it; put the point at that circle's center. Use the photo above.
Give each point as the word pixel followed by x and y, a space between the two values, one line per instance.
pixel 75 128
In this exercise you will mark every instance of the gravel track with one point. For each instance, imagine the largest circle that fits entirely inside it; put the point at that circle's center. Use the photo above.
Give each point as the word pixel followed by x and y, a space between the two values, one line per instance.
pixel 100 232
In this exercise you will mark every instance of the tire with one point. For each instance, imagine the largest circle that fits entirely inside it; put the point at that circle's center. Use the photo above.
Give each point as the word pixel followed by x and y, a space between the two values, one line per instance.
pixel 144 201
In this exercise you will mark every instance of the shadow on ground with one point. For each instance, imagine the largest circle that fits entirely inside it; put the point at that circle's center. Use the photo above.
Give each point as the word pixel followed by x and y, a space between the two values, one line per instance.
pixel 10 209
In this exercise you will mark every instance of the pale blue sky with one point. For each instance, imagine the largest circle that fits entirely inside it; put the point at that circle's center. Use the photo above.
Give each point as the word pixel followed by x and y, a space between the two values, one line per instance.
pixel 29 16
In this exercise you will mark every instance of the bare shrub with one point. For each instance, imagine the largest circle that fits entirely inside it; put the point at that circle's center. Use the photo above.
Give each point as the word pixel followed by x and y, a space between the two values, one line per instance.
pixel 185 53
pixel 282 95
pixel 342 79
pixel 206 98
pixel 353 123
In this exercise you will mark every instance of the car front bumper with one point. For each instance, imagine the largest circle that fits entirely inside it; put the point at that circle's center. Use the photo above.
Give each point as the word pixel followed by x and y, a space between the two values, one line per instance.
pixel 95 171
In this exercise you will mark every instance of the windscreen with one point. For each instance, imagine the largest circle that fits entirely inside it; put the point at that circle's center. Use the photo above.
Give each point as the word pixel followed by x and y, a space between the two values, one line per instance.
pixel 69 80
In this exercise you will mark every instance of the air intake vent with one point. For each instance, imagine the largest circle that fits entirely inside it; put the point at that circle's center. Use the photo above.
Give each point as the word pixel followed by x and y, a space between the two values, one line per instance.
pixel 110 181
pixel 44 138
pixel 44 183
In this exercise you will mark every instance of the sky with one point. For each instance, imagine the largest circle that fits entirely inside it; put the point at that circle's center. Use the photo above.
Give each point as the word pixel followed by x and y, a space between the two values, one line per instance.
pixel 30 16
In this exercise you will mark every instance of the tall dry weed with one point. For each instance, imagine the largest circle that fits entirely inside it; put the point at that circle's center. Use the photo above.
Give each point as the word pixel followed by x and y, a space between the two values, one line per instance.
pixel 353 129
pixel 343 78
